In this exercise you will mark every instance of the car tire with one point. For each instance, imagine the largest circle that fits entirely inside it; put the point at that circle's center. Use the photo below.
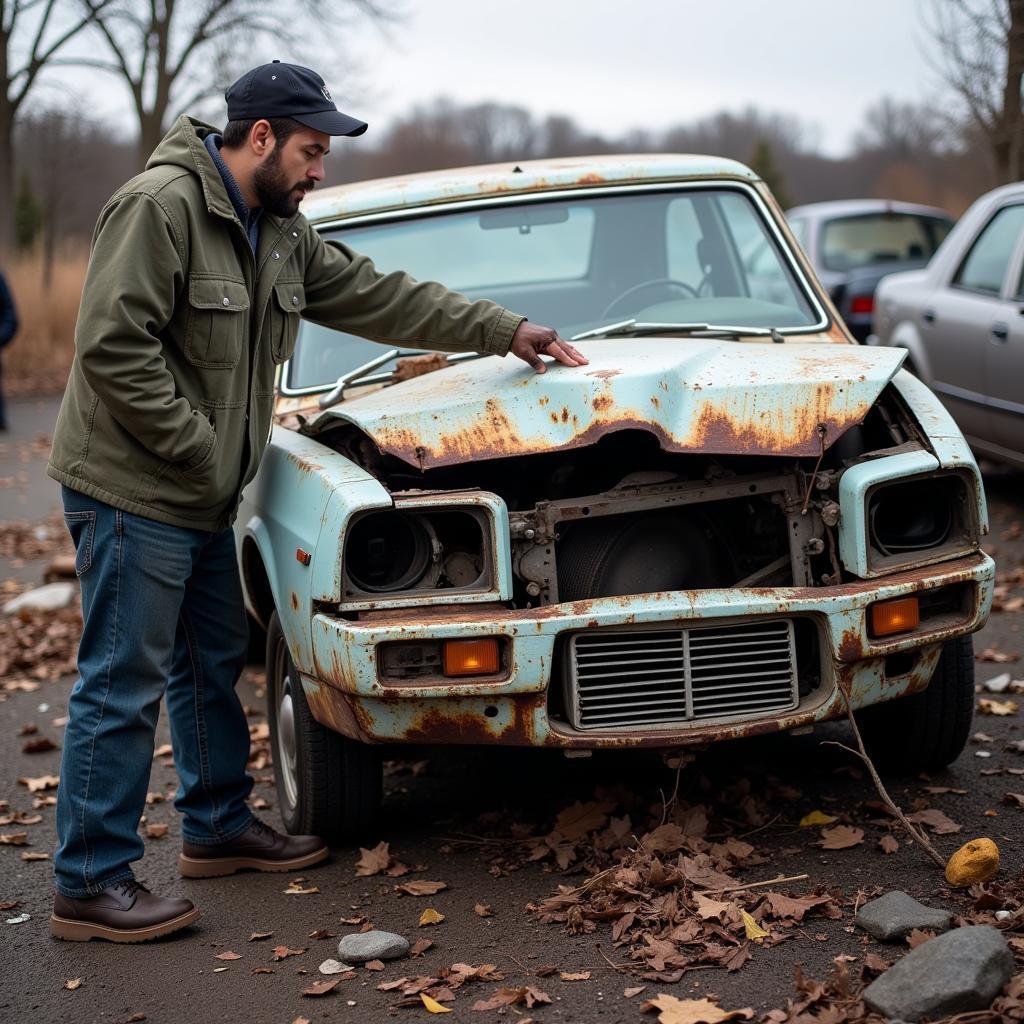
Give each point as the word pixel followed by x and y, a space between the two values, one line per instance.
pixel 327 784
pixel 928 730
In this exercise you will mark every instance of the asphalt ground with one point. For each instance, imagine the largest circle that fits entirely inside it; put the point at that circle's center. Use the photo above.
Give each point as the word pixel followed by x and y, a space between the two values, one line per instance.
pixel 445 815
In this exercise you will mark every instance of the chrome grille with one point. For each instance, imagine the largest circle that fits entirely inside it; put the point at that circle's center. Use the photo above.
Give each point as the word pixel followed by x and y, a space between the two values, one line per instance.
pixel 623 678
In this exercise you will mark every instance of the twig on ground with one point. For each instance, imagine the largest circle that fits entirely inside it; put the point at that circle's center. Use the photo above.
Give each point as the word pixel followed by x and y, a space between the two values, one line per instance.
pixel 915 833
pixel 618 968
pixel 756 885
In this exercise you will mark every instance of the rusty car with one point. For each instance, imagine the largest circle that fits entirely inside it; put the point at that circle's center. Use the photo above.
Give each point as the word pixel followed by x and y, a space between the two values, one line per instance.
pixel 733 521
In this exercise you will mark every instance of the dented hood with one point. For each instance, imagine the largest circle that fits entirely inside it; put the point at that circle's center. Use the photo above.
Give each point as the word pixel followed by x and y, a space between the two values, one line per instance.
pixel 695 395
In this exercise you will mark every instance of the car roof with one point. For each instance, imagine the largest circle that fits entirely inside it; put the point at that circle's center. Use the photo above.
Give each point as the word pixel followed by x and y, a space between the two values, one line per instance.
pixel 461 183
pixel 851 207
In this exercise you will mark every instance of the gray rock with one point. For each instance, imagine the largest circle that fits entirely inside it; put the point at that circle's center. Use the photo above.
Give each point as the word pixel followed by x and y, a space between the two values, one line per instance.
pixel 359 947
pixel 957 972
pixel 895 915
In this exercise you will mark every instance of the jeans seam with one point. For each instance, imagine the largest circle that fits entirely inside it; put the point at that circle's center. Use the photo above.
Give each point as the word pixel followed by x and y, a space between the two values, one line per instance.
pixel 199 692
pixel 87 868
pixel 96 888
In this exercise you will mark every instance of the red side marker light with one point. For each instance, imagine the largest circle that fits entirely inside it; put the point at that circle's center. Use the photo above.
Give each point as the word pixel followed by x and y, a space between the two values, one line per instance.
pixel 303 556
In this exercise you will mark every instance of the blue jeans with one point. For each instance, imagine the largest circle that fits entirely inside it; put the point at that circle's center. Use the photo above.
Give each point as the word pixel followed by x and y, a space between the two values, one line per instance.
pixel 163 617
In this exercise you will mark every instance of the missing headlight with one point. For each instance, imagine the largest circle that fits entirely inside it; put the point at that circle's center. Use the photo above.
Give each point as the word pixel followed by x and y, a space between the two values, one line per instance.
pixel 920 520
pixel 399 552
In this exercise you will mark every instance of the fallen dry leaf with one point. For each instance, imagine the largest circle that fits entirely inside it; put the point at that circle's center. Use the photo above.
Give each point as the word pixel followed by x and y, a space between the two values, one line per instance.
pixel 635 991
pixel 39 746
pixel 72 983
pixel 483 910
pixel 992 654
pixel 295 888
pixel 229 955
pixel 13 838
pixel 816 818
pixel 374 965
pixel 420 946
pixel 917 937
pixel 421 888
pixel 256 936
pixel 989 706
pixel 321 988
pixel 577 976
pixel 280 952
pixel 576 821
pixel 889 844
pixel 433 1005
pixel 320 933
pixel 525 995
pixel 753 930
pixel 691 1011
pixel 156 831
pixel 29 855
pixel 373 862
pixel 36 785
pixel 841 837
pixel 430 916
pixel 938 822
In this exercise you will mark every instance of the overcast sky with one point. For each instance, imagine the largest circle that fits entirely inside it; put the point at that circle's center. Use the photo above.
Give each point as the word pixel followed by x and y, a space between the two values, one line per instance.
pixel 617 64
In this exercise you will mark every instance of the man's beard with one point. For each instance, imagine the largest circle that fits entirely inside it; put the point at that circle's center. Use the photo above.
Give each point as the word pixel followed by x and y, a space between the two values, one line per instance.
pixel 272 189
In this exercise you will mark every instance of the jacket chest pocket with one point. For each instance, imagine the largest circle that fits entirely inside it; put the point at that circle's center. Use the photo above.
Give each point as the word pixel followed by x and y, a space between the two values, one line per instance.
pixel 218 321
pixel 288 302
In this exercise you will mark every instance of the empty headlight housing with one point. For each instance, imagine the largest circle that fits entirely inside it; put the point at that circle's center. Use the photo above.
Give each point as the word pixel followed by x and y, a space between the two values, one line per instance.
pixel 918 520
pixel 399 553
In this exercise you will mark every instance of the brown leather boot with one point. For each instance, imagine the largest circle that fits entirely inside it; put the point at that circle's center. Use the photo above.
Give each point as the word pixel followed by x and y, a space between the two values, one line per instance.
pixel 124 912
pixel 259 848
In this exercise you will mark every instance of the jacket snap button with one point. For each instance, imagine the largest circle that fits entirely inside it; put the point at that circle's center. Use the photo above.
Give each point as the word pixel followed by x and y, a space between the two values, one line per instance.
pixel 276 255
pixel 295 300
pixel 295 234
pixel 227 301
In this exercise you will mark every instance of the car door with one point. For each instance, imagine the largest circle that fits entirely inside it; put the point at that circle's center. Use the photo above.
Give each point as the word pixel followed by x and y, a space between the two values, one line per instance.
pixel 958 318
pixel 1006 366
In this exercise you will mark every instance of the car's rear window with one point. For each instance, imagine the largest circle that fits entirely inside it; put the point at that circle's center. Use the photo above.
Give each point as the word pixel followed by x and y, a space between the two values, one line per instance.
pixel 866 239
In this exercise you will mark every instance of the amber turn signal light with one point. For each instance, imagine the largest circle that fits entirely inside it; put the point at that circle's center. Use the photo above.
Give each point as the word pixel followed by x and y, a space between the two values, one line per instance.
pixel 899 616
pixel 471 657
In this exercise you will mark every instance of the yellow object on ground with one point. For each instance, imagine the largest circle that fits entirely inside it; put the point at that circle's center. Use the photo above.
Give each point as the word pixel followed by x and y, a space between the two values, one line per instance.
pixel 976 861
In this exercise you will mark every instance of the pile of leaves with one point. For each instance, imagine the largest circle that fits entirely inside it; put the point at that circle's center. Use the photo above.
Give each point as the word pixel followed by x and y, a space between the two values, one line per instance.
pixel 669 892
pixel 37 646
pixel 25 540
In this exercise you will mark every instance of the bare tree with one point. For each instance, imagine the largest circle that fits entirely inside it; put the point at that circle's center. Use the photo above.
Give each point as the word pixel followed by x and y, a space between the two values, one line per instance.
pixel 981 56
pixel 172 54
pixel 31 34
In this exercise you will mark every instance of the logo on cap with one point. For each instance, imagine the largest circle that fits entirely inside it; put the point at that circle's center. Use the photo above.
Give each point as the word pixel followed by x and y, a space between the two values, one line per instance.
pixel 327 95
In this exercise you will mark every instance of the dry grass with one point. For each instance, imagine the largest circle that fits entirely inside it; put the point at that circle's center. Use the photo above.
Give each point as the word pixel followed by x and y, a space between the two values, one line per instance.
pixel 40 355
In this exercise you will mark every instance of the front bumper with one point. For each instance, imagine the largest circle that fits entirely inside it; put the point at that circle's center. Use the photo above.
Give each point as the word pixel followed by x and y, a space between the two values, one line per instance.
pixel 345 692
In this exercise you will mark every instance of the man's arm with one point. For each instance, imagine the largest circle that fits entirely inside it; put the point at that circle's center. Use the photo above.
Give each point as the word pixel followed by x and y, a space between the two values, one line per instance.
pixel 344 290
pixel 136 270
pixel 8 314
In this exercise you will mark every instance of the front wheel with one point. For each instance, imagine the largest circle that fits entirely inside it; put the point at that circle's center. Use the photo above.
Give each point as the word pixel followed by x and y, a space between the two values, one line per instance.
pixel 928 730
pixel 327 784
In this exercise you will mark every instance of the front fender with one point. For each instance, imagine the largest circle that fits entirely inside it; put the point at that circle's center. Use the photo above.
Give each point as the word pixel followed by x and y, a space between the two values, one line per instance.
pixel 299 500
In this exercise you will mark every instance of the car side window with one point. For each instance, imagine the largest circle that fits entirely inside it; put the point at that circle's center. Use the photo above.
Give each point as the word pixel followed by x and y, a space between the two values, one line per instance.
pixel 984 267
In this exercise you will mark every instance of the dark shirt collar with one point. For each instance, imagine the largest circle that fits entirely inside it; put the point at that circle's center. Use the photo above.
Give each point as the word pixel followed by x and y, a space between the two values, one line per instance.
pixel 250 218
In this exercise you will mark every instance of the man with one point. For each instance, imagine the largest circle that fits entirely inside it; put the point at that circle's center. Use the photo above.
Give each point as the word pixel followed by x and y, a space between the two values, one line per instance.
pixel 200 269
pixel 8 329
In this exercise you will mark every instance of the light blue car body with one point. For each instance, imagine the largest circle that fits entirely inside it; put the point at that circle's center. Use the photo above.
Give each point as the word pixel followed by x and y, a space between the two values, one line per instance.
pixel 709 396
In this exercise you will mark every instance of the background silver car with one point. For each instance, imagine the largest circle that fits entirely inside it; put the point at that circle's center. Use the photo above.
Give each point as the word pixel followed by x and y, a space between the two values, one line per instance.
pixel 962 321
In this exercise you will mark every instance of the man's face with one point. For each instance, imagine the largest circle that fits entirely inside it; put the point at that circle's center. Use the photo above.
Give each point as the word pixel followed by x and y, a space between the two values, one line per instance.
pixel 288 172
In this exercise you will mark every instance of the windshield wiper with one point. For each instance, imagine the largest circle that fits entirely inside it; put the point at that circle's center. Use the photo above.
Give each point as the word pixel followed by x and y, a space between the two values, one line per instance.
pixel 635 328
pixel 364 375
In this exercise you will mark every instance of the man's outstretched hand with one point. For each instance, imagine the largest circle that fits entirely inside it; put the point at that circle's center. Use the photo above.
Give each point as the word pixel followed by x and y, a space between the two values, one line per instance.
pixel 531 341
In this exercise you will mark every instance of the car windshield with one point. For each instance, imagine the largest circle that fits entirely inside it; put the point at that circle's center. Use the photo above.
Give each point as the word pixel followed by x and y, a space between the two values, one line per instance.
pixel 693 256
pixel 850 242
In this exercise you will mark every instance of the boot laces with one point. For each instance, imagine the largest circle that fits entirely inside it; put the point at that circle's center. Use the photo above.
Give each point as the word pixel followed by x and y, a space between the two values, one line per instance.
pixel 131 886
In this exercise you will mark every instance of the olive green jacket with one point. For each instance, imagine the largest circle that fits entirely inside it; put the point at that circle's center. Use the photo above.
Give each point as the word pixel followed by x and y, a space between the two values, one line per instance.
pixel 181 330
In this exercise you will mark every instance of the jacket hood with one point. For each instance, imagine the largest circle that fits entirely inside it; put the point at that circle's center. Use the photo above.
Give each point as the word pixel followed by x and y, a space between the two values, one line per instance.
pixel 183 147
pixel 694 395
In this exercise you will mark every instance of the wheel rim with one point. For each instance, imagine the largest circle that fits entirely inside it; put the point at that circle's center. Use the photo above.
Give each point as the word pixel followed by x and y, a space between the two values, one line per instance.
pixel 286 736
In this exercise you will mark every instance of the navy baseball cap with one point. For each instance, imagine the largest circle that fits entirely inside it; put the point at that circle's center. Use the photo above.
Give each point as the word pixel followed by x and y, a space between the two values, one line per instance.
pixel 288 90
